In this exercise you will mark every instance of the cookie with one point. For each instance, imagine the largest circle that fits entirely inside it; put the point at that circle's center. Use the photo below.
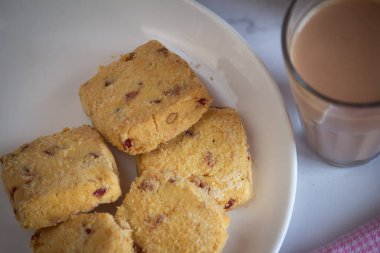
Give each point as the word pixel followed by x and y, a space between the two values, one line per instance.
pixel 213 154
pixel 169 214
pixel 86 233
pixel 147 97
pixel 57 176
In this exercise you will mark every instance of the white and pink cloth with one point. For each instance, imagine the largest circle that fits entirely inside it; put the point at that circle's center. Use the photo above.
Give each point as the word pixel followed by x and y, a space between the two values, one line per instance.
pixel 364 239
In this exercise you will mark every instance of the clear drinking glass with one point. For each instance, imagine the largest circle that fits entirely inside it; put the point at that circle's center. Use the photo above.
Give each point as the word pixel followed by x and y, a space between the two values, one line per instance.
pixel 341 133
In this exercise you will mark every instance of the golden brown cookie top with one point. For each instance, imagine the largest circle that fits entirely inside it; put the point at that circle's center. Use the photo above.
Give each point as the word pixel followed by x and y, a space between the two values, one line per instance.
pixel 54 177
pixel 213 154
pixel 127 98
pixel 56 162
pixel 169 214
pixel 87 233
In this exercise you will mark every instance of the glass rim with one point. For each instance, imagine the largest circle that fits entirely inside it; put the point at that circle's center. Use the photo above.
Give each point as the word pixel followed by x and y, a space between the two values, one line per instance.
pixel 300 80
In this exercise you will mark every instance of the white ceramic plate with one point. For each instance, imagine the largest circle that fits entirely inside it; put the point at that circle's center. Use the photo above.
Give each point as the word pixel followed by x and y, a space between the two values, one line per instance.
pixel 48 48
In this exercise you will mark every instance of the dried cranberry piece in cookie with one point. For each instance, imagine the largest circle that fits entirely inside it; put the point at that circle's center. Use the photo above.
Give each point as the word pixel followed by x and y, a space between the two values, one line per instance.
pixel 100 192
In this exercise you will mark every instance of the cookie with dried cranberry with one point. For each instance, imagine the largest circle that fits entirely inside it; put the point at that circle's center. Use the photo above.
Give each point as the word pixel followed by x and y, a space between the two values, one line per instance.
pixel 213 154
pixel 54 177
pixel 86 233
pixel 169 214
pixel 147 97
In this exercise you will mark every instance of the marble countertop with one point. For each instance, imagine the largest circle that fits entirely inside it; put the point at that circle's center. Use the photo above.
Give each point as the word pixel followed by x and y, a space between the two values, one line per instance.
pixel 330 201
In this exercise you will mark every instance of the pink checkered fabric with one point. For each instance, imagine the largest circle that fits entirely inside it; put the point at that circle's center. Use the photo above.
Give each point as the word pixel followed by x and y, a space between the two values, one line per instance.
pixel 364 239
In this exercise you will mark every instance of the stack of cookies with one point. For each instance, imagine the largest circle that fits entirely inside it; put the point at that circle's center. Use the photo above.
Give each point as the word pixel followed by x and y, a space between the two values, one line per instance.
pixel 53 179
pixel 193 164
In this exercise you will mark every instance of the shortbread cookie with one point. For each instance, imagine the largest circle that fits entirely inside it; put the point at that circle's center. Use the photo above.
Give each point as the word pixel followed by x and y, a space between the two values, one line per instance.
pixel 85 233
pixel 146 98
pixel 169 214
pixel 213 154
pixel 54 177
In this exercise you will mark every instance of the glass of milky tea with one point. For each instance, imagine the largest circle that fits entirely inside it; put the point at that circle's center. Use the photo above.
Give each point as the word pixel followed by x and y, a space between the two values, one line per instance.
pixel 332 55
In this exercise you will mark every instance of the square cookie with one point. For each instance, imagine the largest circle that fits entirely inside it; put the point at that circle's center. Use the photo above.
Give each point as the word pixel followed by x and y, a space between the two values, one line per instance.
pixel 86 233
pixel 54 177
pixel 147 97
pixel 169 214
pixel 213 154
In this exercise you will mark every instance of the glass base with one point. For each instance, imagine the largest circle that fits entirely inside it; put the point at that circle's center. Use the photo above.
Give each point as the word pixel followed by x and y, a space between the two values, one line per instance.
pixel 346 164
